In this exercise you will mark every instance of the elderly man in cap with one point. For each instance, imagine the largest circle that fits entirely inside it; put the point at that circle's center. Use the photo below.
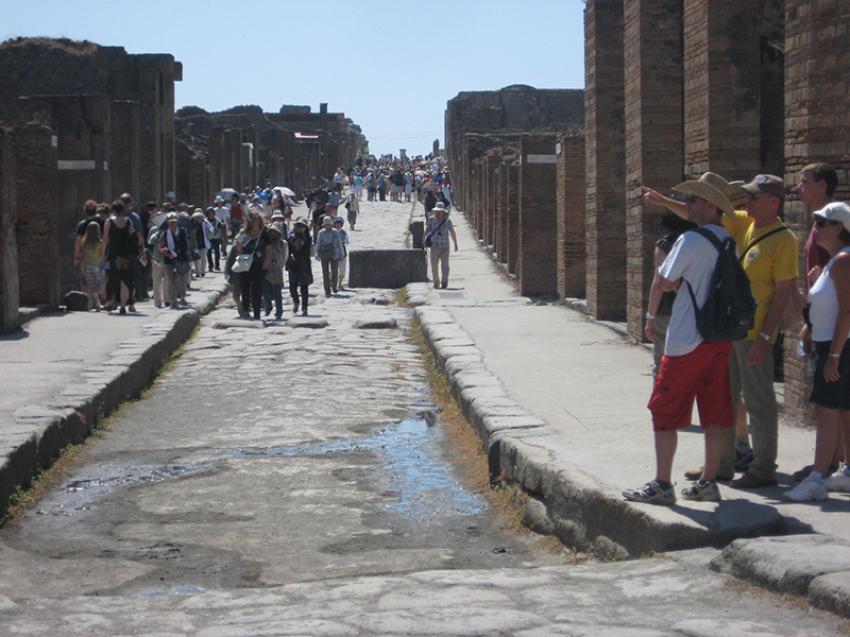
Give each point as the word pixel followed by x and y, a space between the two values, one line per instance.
pixel 769 255
pixel 690 368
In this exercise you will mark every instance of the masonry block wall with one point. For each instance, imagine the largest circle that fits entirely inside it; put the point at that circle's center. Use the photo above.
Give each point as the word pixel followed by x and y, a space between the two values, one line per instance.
pixel 9 289
pixel 125 153
pixel 817 128
pixel 36 204
pixel 731 61
pixel 569 202
pixel 605 164
pixel 653 135
pixel 536 267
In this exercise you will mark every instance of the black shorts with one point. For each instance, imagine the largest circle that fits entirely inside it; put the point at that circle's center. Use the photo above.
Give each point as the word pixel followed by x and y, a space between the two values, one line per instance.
pixel 831 395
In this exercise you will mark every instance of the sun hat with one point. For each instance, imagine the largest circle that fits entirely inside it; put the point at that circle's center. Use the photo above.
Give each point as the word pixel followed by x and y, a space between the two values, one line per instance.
pixel 835 211
pixel 439 206
pixel 197 213
pixel 327 220
pixel 766 185
pixel 171 216
pixel 278 214
pixel 711 187
pixel 278 227
pixel 339 220
pixel 302 221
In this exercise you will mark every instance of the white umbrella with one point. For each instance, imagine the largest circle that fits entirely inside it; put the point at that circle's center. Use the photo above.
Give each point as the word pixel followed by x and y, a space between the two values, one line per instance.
pixel 286 191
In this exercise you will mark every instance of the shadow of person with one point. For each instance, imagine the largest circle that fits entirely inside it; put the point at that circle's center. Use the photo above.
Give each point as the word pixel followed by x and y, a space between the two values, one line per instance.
pixel 738 517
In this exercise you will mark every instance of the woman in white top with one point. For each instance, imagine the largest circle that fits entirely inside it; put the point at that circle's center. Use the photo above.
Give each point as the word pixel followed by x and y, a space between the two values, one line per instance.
pixel 827 330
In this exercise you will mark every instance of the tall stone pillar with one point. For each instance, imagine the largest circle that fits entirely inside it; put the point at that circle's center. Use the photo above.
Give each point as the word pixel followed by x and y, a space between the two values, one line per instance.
pixel 653 130
pixel 124 159
pixel 732 86
pixel 571 247
pixel 605 210
pixel 817 129
pixel 512 217
pixel 9 287
pixel 36 191
pixel 537 243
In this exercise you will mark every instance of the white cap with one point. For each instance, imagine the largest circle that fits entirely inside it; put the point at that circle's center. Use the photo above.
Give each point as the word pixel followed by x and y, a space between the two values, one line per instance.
pixel 835 211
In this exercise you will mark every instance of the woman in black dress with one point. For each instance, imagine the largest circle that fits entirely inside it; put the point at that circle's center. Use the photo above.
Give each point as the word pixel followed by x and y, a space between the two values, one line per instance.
pixel 299 265
pixel 120 251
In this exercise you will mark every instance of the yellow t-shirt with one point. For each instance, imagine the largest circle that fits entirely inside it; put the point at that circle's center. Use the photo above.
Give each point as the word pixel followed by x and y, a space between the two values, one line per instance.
pixel 769 261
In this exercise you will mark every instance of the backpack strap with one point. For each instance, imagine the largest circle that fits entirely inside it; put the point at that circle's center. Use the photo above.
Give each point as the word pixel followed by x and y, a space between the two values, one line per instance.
pixel 713 240
pixel 761 238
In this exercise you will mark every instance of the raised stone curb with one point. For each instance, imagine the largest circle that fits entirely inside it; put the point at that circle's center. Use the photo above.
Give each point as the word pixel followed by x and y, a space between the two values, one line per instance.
pixel 40 432
pixel 816 566
pixel 515 441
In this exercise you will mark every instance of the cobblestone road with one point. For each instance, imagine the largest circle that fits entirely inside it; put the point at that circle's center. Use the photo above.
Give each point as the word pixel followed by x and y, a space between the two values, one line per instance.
pixel 289 479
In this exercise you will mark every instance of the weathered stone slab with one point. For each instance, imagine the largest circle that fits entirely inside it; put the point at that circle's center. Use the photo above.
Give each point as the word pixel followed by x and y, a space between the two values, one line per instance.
pixel 382 321
pixel 310 322
pixel 385 268
pixel 239 324
pixel 831 592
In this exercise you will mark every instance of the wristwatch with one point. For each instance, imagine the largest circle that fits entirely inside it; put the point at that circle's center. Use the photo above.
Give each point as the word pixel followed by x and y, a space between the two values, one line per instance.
pixel 649 316
pixel 765 336
pixel 835 355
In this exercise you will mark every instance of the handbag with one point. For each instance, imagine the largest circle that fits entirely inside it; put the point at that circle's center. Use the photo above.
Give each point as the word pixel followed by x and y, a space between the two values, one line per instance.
pixel 429 237
pixel 243 261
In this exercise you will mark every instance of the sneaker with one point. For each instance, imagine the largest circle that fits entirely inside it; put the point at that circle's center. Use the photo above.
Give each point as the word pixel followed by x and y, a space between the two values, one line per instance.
pixel 131 308
pixel 803 473
pixel 696 474
pixel 838 481
pixel 749 481
pixel 743 463
pixel 702 491
pixel 807 491
pixel 652 493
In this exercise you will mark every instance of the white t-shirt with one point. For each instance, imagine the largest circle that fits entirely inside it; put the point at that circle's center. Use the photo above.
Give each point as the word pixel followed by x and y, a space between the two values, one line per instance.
pixel 693 259
pixel 223 214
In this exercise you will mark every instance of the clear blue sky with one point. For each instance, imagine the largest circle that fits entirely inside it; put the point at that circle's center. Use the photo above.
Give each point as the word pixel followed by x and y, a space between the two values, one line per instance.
pixel 390 66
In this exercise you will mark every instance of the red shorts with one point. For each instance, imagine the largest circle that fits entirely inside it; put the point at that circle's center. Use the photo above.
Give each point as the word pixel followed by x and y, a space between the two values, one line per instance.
pixel 703 374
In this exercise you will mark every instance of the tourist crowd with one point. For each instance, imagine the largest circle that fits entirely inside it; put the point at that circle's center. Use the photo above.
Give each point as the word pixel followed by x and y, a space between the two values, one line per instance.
pixel 726 284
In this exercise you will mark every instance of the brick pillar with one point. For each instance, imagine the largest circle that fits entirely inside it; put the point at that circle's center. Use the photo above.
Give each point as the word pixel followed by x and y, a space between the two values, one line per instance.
pixel 723 55
pixel 817 128
pixel 512 217
pixel 537 238
pixel 124 149
pixel 653 93
pixel 570 217
pixel 246 166
pixel 9 289
pixel 37 208
pixel 198 181
pixel 501 247
pixel 605 166
pixel 492 164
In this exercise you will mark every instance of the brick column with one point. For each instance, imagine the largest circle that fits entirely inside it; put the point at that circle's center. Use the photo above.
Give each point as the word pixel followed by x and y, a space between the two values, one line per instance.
pixel 9 289
pixel 653 93
pixel 492 164
pixel 124 158
pixel 605 166
pixel 502 176
pixel 512 217
pixel 571 250
pixel 36 195
pixel 730 84
pixel 817 129
pixel 537 238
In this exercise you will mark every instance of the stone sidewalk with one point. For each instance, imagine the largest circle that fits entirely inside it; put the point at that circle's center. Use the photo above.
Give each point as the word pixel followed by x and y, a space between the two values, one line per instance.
pixel 560 402
pixel 62 373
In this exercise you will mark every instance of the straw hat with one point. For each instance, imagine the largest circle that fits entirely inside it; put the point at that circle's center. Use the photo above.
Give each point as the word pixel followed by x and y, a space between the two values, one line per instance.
pixel 711 187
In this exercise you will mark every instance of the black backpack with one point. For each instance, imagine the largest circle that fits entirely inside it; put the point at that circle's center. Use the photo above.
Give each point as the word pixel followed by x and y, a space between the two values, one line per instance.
pixel 729 310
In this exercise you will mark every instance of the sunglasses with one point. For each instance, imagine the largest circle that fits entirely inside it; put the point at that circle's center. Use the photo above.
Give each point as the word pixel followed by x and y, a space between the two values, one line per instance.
pixel 820 222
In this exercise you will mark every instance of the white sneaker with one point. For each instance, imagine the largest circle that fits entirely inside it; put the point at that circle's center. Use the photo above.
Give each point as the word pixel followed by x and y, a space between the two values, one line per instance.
pixel 807 491
pixel 838 481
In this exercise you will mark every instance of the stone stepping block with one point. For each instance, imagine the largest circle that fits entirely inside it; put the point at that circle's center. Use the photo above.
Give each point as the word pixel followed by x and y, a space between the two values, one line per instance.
pixel 376 322
pixel 311 322
pixel 238 323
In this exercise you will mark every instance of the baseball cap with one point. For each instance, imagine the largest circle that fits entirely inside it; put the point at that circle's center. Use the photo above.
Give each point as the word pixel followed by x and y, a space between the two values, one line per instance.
pixel 766 185
pixel 835 211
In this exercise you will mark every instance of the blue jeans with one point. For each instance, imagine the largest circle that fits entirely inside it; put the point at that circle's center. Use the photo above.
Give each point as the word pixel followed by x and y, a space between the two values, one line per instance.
pixel 272 292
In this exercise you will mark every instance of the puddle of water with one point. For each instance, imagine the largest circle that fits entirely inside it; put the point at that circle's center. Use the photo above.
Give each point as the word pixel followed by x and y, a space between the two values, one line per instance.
pixel 184 589
pixel 408 457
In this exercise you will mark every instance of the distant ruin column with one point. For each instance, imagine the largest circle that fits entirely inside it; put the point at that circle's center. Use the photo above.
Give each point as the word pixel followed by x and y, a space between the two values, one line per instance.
pixel 537 240
pixel 9 290
pixel 605 167
pixel 571 248
pixel 124 159
pixel 653 130
pixel 512 217
pixel 36 184
pixel 491 165
pixel 817 129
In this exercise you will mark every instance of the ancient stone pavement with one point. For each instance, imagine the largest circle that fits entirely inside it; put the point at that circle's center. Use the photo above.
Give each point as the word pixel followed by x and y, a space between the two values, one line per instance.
pixel 291 478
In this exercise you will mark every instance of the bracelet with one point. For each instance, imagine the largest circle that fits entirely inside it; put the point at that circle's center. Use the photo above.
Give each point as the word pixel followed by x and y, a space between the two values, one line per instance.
pixel 765 336
pixel 649 317
pixel 835 355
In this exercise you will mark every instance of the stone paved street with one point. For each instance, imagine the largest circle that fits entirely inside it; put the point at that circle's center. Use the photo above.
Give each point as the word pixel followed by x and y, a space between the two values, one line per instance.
pixel 291 479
